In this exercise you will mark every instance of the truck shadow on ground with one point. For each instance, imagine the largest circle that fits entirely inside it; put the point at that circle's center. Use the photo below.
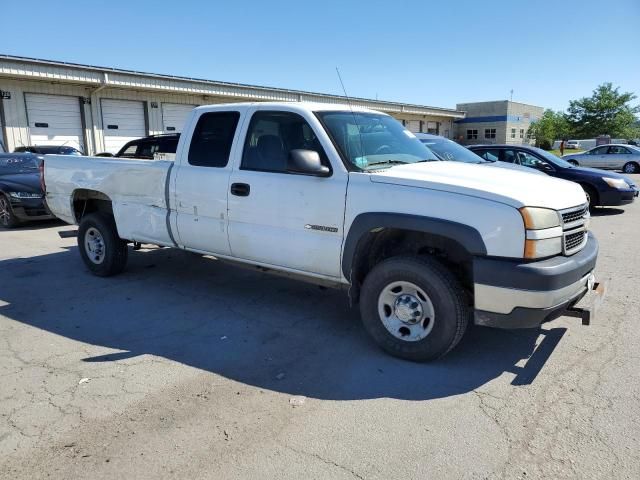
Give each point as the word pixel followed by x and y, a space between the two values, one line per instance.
pixel 254 328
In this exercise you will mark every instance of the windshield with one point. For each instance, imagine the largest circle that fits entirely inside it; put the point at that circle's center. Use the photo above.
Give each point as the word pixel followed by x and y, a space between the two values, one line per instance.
pixel 371 141
pixel 552 158
pixel 448 150
pixel 20 163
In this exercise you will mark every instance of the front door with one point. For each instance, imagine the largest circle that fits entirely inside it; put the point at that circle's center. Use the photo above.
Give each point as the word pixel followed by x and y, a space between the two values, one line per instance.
pixel 283 219
pixel 202 184
pixel 597 157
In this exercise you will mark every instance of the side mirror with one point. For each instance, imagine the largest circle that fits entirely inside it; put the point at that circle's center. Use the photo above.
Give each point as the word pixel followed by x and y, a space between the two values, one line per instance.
pixel 306 162
pixel 545 167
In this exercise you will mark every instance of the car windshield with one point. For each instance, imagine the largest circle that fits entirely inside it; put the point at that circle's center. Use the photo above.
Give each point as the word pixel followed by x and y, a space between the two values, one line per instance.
pixel 12 164
pixel 447 150
pixel 557 161
pixel 371 141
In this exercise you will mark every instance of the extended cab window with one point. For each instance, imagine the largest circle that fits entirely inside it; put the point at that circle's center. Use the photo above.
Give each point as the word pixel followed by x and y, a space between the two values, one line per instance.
pixel 212 139
pixel 270 138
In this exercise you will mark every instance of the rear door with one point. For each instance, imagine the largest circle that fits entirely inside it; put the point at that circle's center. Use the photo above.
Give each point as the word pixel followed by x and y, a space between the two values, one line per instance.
pixel 617 156
pixel 122 121
pixel 281 219
pixel 202 183
pixel 54 120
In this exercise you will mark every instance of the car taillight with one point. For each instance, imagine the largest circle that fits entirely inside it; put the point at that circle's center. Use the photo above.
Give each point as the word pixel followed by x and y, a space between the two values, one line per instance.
pixel 43 185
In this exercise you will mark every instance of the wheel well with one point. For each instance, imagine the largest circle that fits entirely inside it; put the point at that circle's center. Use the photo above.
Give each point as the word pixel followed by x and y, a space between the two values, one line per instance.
pixel 89 201
pixel 592 190
pixel 380 244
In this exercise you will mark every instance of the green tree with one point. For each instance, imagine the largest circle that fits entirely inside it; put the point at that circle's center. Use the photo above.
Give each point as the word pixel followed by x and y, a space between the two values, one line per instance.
pixel 551 126
pixel 606 112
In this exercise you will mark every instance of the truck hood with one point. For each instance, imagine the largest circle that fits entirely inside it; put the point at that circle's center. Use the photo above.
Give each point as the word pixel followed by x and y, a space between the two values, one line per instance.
pixel 512 187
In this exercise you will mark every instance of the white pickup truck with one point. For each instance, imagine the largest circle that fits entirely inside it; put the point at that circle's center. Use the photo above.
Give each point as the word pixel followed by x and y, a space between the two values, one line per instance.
pixel 349 198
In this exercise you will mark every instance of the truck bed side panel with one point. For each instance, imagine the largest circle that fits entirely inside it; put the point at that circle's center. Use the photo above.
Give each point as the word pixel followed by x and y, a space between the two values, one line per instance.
pixel 136 189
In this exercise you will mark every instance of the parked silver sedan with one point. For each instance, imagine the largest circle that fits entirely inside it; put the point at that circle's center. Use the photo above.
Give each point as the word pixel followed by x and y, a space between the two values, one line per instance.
pixel 612 157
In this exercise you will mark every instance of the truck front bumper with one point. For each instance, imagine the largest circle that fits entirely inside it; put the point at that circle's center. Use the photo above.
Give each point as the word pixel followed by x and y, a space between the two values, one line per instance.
pixel 515 294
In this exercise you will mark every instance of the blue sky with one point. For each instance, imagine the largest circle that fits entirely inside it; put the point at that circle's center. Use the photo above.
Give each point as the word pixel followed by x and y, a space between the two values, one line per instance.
pixel 427 52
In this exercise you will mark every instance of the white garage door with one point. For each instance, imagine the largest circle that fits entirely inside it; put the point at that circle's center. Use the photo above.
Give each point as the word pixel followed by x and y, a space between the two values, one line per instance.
pixel 413 126
pixel 54 120
pixel 174 116
pixel 122 120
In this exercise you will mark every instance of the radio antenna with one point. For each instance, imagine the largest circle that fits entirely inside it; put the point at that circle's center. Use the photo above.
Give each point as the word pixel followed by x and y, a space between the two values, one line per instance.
pixel 355 120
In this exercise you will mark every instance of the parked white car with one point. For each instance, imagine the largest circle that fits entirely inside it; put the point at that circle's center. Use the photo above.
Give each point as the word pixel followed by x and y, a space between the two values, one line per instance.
pixel 572 144
pixel 612 157
pixel 350 199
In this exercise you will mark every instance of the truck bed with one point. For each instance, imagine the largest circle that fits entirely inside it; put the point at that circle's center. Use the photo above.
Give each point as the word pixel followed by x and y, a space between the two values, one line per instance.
pixel 138 190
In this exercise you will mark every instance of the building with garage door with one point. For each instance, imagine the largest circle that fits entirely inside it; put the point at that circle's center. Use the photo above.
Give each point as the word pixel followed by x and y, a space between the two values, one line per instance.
pixel 99 109
pixel 502 121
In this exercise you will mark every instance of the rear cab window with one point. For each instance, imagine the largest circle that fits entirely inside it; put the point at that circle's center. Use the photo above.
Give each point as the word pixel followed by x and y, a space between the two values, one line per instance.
pixel 212 139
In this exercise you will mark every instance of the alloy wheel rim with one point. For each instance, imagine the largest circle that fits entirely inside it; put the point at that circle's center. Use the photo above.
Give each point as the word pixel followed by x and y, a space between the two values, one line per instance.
pixel 4 212
pixel 94 245
pixel 406 311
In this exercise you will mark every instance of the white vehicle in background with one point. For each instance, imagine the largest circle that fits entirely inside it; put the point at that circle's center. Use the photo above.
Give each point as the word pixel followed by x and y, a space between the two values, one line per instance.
pixel 572 145
pixel 612 157
pixel 346 198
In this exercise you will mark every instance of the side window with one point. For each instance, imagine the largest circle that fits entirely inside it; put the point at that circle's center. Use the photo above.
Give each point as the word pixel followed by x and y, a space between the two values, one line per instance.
pixel 130 151
pixel 492 154
pixel 600 150
pixel 147 149
pixel 212 139
pixel 527 160
pixel 616 150
pixel 272 136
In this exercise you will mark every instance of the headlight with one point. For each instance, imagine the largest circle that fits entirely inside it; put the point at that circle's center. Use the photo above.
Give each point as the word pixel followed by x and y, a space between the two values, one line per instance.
pixel 616 182
pixel 25 195
pixel 538 218
pixel 543 232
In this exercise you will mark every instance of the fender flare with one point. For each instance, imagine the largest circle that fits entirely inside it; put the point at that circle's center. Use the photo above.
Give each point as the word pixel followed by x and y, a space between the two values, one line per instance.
pixel 364 223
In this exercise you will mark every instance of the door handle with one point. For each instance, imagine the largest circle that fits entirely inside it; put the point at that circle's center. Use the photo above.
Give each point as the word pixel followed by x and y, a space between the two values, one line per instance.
pixel 240 189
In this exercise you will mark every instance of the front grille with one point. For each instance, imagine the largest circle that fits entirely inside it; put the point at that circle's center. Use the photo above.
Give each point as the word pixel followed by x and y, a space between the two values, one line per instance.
pixel 574 232
pixel 573 240
pixel 574 215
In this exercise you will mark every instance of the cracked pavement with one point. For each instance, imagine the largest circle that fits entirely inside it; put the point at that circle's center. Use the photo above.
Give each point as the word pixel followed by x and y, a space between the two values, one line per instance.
pixel 183 367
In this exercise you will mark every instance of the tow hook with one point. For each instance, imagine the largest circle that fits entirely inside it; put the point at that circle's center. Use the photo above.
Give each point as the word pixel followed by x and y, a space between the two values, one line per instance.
pixel 595 296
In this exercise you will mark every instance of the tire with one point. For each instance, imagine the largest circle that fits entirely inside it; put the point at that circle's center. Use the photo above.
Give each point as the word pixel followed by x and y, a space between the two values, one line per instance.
pixel 103 252
pixel 444 310
pixel 7 217
pixel 574 163
pixel 631 167
pixel 592 196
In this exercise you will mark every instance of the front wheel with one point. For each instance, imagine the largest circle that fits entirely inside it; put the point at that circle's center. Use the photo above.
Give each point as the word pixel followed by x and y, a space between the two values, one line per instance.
pixel 592 196
pixel 102 251
pixel 574 163
pixel 414 308
pixel 7 217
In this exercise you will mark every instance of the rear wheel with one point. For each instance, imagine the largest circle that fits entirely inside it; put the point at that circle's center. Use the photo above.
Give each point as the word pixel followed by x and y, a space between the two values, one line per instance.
pixel 631 167
pixel 414 308
pixel 7 217
pixel 102 251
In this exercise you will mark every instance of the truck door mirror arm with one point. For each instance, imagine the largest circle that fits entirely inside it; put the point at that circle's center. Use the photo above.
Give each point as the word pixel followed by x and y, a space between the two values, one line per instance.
pixel 306 162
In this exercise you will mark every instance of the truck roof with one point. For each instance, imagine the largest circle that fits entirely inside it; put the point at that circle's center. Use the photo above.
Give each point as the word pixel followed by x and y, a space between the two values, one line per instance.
pixel 301 106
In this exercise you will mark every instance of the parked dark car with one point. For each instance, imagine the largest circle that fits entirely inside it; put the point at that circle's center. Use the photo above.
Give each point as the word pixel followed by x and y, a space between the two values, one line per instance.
pixel 602 187
pixel 21 194
pixel 146 148
pixel 49 150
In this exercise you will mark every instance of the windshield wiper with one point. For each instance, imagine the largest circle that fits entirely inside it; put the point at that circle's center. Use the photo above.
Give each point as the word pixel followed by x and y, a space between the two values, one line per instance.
pixel 388 162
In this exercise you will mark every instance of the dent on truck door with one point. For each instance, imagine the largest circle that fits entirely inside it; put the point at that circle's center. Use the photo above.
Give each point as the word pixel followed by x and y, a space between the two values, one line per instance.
pixel 201 184
pixel 277 218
